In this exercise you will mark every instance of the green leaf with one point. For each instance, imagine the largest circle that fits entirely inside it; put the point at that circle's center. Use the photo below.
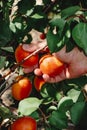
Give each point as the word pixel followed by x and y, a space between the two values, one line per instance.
pixel 76 112
pixel 57 22
pixel 69 11
pixel 35 115
pixel 54 42
pixel 58 120
pixel 18 25
pixel 74 94
pixel 5 112
pixel 5 33
pixel 65 103
pixel 12 27
pixel 2 61
pixel 29 105
pixel 8 49
pixel 79 34
pixel 48 91
pixel 37 16
pixel 25 5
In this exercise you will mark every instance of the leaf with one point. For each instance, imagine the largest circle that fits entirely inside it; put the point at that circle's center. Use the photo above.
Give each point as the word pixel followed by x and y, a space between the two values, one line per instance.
pixel 25 5
pixel 4 112
pixel 37 16
pixel 76 112
pixel 8 49
pixel 12 27
pixel 29 105
pixel 48 91
pixel 58 23
pixel 79 34
pixel 74 94
pixel 58 120
pixel 65 103
pixel 35 115
pixel 69 11
pixel 18 25
pixel 5 33
pixel 2 61
pixel 53 41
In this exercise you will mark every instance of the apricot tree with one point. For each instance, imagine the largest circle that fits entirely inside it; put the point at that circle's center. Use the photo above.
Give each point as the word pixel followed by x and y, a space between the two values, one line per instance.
pixel 55 106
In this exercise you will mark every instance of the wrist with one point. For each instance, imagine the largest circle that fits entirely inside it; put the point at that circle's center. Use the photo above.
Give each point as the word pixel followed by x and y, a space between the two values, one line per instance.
pixel 85 63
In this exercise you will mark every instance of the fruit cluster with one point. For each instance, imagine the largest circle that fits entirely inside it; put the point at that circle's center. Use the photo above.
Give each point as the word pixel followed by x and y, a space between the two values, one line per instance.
pixel 22 87
pixel 47 63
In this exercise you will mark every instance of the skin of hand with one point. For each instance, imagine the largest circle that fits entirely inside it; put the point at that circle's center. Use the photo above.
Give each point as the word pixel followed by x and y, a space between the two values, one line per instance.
pixel 76 65
pixel 75 61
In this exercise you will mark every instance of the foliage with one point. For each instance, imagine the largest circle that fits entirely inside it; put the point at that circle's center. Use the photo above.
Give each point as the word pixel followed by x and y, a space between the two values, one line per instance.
pixel 65 23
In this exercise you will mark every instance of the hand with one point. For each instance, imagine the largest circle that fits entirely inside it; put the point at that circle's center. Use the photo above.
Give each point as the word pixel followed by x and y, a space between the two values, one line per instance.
pixel 76 65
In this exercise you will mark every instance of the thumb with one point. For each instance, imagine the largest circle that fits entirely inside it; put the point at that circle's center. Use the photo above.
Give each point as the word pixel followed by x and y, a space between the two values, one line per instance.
pixel 29 47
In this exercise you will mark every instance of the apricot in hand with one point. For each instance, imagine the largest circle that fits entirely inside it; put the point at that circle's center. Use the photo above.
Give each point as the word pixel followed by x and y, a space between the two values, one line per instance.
pixel 24 123
pixel 51 65
pixel 21 88
pixel 38 82
pixel 20 54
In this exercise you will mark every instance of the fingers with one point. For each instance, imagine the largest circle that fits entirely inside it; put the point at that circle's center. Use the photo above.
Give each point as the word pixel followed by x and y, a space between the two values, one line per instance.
pixel 55 79
pixel 37 72
pixel 63 75
pixel 29 47
pixel 30 69
pixel 34 46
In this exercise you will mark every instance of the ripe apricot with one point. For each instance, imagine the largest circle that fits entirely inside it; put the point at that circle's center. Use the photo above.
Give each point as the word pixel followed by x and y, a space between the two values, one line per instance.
pixel 20 54
pixel 38 82
pixel 21 88
pixel 51 65
pixel 24 123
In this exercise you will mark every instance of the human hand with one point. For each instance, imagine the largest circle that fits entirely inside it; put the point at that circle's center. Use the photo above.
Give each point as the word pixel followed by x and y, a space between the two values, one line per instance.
pixel 76 62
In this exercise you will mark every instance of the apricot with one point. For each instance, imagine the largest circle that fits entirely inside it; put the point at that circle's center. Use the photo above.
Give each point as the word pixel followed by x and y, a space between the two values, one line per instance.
pixel 24 123
pixel 21 88
pixel 51 65
pixel 38 82
pixel 20 54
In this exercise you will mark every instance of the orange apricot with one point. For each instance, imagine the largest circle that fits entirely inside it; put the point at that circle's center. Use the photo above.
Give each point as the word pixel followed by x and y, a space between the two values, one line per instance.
pixel 24 123
pixel 21 88
pixel 38 82
pixel 51 65
pixel 20 54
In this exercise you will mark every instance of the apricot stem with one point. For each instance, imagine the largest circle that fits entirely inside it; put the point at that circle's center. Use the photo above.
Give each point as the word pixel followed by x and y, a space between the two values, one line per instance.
pixel 44 116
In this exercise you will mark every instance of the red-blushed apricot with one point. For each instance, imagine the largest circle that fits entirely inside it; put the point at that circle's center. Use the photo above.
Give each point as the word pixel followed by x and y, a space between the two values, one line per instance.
pixel 24 123
pixel 38 82
pixel 20 54
pixel 51 65
pixel 21 88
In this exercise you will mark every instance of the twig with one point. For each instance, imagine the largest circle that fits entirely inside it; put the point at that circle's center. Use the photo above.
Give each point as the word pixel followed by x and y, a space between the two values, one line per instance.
pixel 44 117
pixel 5 83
